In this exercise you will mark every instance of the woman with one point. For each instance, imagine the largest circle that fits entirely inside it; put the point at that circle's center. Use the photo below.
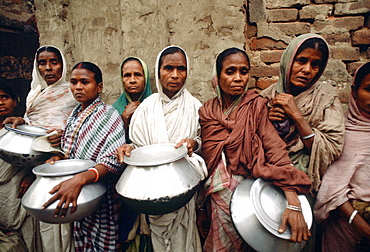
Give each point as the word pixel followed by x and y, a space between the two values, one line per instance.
pixel 240 142
pixel 307 113
pixel 343 200
pixel 48 105
pixel 94 130
pixel 136 87
pixel 170 116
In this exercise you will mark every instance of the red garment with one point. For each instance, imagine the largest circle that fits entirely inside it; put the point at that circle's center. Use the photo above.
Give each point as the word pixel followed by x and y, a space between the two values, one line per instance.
pixel 251 144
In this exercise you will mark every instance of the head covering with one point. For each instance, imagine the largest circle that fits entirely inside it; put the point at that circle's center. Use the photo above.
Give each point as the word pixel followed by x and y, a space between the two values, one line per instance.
pixel 158 82
pixel 125 98
pixel 38 83
pixel 287 58
pixel 217 88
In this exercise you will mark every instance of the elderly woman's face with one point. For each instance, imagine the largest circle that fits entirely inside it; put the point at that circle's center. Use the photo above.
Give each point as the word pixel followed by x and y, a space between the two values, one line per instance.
pixel 362 96
pixel 84 87
pixel 133 77
pixel 234 74
pixel 172 73
pixel 49 66
pixel 306 65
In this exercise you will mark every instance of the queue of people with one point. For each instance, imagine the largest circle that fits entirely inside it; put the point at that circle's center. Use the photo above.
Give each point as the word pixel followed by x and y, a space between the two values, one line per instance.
pixel 291 134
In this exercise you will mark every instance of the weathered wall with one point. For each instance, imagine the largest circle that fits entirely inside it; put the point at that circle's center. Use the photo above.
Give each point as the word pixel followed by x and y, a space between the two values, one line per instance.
pixel 105 32
pixel 271 25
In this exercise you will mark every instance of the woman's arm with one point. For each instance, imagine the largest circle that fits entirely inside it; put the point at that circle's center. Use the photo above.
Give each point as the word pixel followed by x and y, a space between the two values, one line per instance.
pixel 68 191
pixel 356 219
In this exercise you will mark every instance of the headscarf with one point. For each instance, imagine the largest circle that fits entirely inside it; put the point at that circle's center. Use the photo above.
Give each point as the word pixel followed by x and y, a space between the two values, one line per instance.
pixel 49 105
pixel 348 177
pixel 125 97
pixel 287 58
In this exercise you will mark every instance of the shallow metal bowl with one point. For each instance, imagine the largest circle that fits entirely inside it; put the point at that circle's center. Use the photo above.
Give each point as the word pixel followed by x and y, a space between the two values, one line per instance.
pixel 48 176
pixel 160 188
pixel 15 146
pixel 243 215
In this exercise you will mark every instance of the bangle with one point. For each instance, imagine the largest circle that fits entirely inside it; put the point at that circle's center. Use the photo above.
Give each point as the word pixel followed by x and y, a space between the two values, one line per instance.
pixel 308 136
pixel 352 216
pixel 97 175
pixel 294 208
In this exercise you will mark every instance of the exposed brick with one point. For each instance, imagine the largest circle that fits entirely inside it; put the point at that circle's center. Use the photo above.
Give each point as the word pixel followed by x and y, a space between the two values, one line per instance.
pixel 274 4
pixel 352 67
pixel 282 15
pixel 252 82
pixel 294 28
pixel 359 7
pixel 332 39
pixel 345 53
pixel 250 30
pixel 338 25
pixel 266 44
pixel 257 11
pixel 271 56
pixel 321 11
pixel 264 83
pixel 264 71
pixel 361 37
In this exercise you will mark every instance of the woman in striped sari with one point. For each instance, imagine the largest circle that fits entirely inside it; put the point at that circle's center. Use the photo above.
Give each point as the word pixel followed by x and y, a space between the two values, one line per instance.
pixel 94 130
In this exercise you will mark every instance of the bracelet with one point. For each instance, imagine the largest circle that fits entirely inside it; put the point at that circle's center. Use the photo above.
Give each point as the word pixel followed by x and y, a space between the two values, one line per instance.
pixel 352 216
pixel 294 208
pixel 97 175
pixel 308 136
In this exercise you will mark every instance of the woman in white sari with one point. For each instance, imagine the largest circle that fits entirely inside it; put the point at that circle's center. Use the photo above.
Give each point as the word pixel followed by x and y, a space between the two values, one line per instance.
pixel 170 116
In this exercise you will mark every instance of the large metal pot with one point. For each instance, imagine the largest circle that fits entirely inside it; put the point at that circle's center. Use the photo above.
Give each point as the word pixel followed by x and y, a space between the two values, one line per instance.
pixel 48 176
pixel 15 145
pixel 158 179
pixel 268 202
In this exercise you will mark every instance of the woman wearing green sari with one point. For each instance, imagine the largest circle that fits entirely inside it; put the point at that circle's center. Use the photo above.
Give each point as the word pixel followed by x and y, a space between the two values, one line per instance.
pixel 136 87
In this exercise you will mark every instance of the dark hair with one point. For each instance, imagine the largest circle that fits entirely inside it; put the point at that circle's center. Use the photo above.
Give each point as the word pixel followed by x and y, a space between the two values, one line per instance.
pixel 49 49
pixel 224 54
pixel 130 59
pixel 170 50
pixel 91 67
pixel 7 88
pixel 317 44
pixel 361 73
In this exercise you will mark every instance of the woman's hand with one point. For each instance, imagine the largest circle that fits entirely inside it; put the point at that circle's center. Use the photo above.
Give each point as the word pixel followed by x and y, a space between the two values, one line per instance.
pixel 191 144
pixel 287 104
pixel 129 111
pixel 124 150
pixel 53 159
pixel 295 219
pixel 54 140
pixel 25 184
pixel 14 120
pixel 358 222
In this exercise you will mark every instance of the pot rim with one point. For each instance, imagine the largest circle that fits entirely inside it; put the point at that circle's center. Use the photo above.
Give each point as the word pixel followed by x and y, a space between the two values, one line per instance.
pixel 44 169
pixel 27 130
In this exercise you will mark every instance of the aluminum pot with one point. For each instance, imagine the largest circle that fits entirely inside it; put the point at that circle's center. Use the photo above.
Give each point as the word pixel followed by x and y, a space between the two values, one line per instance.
pixel 15 145
pixel 48 176
pixel 158 179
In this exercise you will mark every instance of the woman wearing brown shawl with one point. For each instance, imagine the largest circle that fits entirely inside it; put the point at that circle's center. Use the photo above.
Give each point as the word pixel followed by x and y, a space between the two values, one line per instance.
pixel 344 197
pixel 240 142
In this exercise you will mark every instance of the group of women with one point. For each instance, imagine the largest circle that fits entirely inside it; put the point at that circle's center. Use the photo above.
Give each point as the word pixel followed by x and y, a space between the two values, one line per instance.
pixel 290 134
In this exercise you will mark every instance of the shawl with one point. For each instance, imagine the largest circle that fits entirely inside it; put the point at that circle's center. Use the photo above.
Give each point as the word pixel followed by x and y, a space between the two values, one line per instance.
pixel 95 134
pixel 348 177
pixel 49 105
pixel 250 143
pixel 321 108
pixel 160 119
pixel 125 98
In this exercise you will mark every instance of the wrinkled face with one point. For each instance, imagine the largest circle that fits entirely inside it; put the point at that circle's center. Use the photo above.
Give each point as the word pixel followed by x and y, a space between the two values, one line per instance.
pixel 84 87
pixel 7 104
pixel 306 65
pixel 49 66
pixel 362 96
pixel 133 77
pixel 172 73
pixel 234 74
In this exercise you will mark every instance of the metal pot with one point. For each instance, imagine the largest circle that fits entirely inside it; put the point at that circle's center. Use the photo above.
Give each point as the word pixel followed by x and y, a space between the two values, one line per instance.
pixel 15 145
pixel 48 176
pixel 158 179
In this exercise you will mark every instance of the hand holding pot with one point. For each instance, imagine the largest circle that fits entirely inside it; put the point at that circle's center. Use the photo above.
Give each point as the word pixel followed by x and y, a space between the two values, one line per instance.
pixel 124 150
pixel 14 120
pixel 191 144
